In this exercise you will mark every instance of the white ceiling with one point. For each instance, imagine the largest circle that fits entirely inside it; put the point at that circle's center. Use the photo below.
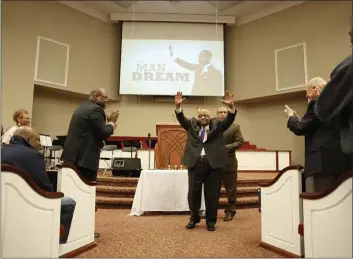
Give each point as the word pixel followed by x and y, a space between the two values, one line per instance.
pixel 243 11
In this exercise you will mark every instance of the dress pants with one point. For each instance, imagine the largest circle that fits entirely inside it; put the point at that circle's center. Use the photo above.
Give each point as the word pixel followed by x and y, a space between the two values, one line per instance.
pixel 67 212
pixel 88 174
pixel 230 184
pixel 202 173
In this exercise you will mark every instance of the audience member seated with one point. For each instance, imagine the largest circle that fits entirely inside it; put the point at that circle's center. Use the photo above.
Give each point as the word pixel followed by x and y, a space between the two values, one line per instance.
pixel 21 118
pixel 324 159
pixel 22 153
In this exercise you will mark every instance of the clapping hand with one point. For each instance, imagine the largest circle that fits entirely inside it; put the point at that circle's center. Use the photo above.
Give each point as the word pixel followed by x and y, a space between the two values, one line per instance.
pixel 178 99
pixel 228 99
pixel 288 111
pixel 113 117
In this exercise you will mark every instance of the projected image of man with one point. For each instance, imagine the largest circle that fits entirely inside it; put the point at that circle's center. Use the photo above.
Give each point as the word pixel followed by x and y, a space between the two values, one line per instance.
pixel 208 79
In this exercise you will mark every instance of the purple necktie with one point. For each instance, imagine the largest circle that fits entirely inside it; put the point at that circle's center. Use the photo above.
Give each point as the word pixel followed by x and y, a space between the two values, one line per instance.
pixel 202 135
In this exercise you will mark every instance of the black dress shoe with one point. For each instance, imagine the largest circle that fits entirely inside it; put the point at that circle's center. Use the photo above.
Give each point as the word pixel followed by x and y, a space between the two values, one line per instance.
pixel 192 224
pixel 228 217
pixel 211 228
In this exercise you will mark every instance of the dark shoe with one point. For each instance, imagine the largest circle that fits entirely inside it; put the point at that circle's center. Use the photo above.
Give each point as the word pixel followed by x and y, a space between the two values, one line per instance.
pixel 228 217
pixel 192 223
pixel 211 228
pixel 97 235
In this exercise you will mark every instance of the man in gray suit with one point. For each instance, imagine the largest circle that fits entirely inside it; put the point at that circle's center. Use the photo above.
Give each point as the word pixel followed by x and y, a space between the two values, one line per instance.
pixel 205 155
pixel 336 100
pixel 233 140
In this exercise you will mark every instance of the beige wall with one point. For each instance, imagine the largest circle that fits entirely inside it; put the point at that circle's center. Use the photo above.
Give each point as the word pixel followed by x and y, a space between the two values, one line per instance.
pixel 94 50
pixel 250 59
pixel 94 61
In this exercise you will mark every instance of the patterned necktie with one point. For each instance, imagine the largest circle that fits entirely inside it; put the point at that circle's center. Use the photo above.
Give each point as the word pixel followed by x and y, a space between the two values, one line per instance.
pixel 202 135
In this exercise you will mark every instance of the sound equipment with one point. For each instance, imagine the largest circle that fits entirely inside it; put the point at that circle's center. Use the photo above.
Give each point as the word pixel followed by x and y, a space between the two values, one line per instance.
pixel 130 167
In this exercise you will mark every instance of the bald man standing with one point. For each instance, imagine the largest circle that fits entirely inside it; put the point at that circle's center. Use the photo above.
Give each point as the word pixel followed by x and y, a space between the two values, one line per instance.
pixel 205 156
pixel 87 131
pixel 22 152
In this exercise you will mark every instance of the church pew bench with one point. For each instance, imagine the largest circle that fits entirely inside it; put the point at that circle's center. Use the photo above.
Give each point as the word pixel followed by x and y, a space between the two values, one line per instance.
pixel 327 225
pixel 281 213
pixel 30 216
pixel 81 237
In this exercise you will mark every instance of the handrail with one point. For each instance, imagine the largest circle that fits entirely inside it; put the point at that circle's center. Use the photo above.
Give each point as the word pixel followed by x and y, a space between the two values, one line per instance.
pixel 329 190
pixel 292 167
pixel 24 175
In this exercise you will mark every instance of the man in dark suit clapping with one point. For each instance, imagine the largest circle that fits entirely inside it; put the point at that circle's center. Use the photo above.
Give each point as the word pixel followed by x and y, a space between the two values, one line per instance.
pixel 87 131
pixel 205 155
pixel 336 100
pixel 324 159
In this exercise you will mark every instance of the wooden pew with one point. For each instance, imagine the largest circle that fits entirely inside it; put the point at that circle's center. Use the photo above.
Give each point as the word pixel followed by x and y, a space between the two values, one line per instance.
pixel 281 213
pixel 328 220
pixel 30 216
pixel 81 237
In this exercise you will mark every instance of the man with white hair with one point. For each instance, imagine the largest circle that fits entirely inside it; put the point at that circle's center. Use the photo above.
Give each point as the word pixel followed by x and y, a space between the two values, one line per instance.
pixel 205 155
pixel 324 159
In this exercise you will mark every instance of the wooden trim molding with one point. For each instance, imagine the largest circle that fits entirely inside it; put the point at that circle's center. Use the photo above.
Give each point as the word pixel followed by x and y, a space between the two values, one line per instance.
pixel 71 166
pixel 329 190
pixel 292 167
pixel 79 251
pixel 24 175
pixel 277 250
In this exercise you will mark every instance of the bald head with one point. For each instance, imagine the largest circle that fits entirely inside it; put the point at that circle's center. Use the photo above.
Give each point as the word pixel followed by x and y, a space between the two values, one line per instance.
pixel 28 134
pixel 99 96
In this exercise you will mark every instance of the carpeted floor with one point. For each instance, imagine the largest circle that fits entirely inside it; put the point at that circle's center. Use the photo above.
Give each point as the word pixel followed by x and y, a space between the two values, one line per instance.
pixel 166 236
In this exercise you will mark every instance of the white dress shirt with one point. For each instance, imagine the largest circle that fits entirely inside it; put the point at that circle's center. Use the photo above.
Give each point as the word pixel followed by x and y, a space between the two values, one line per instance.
pixel 8 135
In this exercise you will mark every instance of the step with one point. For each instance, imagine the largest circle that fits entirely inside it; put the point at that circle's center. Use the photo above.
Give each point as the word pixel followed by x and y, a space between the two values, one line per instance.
pixel 132 181
pixel 118 202
pixel 129 191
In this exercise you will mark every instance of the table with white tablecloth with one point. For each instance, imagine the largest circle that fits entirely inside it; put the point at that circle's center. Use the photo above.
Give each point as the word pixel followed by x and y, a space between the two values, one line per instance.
pixel 162 190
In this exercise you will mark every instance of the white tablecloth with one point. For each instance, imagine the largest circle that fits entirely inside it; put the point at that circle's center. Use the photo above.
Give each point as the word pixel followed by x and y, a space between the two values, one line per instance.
pixel 162 190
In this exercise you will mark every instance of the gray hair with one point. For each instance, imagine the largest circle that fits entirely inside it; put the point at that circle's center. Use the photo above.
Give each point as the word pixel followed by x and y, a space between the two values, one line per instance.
pixel 317 82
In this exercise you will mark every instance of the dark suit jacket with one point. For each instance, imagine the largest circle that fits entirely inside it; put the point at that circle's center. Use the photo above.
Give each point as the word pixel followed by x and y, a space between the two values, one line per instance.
pixel 323 152
pixel 85 137
pixel 22 155
pixel 337 100
pixel 213 78
pixel 233 140
pixel 214 145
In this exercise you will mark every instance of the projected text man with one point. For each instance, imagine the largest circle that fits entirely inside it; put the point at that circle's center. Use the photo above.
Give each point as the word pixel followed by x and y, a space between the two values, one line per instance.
pixel 207 77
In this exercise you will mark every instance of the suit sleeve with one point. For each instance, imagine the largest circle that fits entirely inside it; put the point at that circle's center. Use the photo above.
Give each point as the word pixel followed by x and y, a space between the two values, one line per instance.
pixel 184 122
pixel 238 139
pixel 38 173
pixel 306 125
pixel 101 129
pixel 186 65
pixel 337 94
pixel 228 121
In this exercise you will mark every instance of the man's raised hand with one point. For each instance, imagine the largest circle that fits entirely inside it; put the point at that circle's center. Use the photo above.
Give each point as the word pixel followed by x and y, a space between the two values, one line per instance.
pixel 228 99
pixel 178 99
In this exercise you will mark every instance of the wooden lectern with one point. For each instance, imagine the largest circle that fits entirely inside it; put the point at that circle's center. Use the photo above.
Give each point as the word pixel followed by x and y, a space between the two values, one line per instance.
pixel 169 149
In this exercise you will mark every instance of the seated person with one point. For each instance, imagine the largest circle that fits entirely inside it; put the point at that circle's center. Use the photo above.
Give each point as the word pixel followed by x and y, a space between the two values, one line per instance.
pixel 21 118
pixel 22 152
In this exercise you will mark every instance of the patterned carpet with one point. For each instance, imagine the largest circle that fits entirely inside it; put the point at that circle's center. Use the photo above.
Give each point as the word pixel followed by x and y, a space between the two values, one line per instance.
pixel 165 236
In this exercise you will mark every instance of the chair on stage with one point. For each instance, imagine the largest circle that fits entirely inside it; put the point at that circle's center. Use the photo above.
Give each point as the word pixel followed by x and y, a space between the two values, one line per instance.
pixel 107 156
pixel 281 212
pixel 84 193
pixel 30 217
pixel 327 226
